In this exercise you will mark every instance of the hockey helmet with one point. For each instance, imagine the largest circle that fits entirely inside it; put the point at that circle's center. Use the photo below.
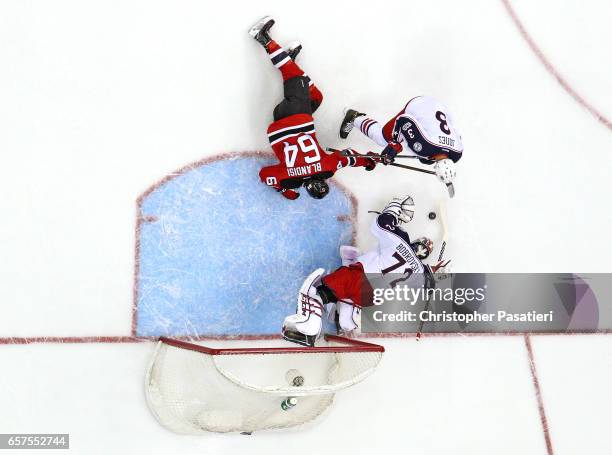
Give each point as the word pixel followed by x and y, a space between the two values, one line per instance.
pixel 316 188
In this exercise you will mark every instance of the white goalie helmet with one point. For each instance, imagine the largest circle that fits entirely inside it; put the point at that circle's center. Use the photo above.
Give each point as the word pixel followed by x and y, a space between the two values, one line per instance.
pixel 402 208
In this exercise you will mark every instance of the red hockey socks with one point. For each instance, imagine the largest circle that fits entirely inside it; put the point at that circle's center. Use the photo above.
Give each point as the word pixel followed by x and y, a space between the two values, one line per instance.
pixel 316 97
pixel 288 68
pixel 282 61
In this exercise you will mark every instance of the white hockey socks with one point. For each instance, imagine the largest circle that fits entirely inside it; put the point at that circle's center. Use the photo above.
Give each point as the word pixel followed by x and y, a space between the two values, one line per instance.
pixel 371 128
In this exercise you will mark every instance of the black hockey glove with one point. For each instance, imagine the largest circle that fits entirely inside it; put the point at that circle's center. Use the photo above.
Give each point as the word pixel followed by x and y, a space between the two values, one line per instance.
pixel 389 152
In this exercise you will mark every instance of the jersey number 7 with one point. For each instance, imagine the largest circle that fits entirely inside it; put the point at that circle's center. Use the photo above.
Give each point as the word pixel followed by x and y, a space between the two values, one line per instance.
pixel 400 261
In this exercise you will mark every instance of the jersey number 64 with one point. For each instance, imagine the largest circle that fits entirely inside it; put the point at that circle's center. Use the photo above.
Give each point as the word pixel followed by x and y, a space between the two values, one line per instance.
pixel 305 144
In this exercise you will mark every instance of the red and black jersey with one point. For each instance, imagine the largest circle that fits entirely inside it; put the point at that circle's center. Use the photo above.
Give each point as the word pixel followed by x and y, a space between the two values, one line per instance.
pixel 300 156
pixel 294 140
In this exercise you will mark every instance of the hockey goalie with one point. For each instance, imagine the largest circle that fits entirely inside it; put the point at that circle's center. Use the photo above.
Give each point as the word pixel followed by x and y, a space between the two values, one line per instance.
pixel 345 291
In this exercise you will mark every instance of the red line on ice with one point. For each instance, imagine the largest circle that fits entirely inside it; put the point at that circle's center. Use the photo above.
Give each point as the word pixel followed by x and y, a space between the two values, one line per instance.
pixel 551 68
pixel 538 392
pixel 137 339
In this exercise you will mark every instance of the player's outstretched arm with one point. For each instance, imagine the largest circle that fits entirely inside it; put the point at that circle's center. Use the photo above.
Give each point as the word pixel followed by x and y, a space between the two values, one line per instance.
pixel 352 158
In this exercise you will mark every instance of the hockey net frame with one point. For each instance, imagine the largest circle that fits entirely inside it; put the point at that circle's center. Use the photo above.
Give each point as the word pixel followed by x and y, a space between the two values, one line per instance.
pixel 344 345
pixel 183 376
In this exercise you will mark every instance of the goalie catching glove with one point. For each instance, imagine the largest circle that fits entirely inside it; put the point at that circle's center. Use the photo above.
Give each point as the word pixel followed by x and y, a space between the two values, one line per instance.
pixel 402 208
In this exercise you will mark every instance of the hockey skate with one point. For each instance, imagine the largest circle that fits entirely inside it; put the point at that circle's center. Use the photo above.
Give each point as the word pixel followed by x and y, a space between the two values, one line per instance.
pixel 259 31
pixel 305 326
pixel 348 122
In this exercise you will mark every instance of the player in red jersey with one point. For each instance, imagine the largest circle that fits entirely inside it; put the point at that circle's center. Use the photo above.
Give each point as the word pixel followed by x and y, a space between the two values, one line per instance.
pixel 302 161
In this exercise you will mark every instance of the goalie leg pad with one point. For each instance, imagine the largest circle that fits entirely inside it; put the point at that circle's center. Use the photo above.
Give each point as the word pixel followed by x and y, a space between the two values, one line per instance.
pixel 305 326
pixel 348 316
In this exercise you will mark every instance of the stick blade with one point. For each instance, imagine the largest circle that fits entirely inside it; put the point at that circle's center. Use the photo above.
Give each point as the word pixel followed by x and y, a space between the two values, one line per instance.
pixel 451 189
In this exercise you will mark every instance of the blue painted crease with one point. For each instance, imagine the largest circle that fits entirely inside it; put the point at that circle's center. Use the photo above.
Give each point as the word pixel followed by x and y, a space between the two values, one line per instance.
pixel 225 255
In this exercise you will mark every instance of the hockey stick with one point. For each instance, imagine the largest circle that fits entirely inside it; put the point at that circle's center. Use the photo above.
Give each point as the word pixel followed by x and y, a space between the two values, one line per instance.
pixel 380 160
pixel 428 278
pixel 412 168
pixel 444 223
pixel 441 263
pixel 449 186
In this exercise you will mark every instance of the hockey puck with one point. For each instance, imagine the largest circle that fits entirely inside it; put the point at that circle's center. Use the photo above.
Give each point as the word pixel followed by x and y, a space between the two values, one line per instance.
pixel 432 215
pixel 294 378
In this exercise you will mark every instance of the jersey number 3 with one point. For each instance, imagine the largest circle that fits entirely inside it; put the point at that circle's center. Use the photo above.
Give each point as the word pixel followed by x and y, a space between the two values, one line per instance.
pixel 307 146
pixel 441 117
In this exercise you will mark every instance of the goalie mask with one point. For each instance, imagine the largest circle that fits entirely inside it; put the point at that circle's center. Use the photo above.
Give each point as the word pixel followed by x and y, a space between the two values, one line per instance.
pixel 422 247
pixel 316 188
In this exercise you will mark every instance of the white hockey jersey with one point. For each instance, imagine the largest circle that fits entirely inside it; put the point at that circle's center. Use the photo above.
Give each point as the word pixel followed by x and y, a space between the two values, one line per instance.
pixel 393 255
pixel 425 128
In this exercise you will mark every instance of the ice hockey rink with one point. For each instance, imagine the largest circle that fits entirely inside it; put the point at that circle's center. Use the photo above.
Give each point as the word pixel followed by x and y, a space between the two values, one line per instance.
pixel 101 100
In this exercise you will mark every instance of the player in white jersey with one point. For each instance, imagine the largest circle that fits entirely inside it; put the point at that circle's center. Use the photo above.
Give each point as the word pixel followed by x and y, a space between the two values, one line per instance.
pixel 425 128
pixel 396 260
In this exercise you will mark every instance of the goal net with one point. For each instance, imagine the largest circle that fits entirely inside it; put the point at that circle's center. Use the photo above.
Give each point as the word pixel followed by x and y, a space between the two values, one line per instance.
pixel 192 388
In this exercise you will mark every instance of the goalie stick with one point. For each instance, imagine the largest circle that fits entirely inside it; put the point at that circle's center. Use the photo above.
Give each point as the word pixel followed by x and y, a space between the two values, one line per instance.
pixel 441 263
pixel 444 223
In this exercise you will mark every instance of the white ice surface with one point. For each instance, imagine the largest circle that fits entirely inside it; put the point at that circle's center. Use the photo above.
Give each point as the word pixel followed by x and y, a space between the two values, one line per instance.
pixel 575 373
pixel 421 400
pixel 101 99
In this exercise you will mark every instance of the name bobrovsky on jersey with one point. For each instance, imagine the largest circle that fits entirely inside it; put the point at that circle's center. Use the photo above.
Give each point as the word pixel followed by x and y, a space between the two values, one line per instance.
pixel 407 253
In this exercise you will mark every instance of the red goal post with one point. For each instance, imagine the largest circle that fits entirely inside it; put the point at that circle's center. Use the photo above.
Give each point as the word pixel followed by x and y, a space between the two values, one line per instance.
pixel 343 345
